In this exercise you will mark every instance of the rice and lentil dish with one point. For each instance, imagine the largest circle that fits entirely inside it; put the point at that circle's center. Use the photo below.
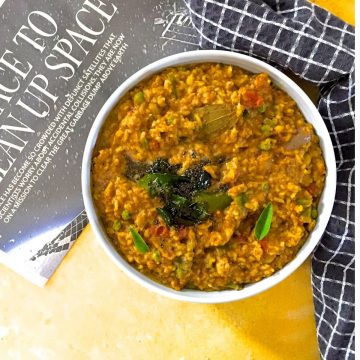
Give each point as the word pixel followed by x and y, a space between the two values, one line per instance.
pixel 200 209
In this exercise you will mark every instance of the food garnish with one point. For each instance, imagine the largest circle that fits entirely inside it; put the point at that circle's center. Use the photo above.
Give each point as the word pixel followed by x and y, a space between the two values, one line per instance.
pixel 139 242
pixel 263 223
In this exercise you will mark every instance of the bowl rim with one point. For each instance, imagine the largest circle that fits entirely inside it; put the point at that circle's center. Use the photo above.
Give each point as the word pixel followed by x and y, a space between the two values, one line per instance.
pixel 311 115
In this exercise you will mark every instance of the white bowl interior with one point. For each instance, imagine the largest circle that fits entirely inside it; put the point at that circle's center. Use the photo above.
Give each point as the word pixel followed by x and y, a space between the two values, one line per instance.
pixel 311 115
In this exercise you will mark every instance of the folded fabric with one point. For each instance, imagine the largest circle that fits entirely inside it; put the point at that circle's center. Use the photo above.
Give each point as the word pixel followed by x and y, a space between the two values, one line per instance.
pixel 317 46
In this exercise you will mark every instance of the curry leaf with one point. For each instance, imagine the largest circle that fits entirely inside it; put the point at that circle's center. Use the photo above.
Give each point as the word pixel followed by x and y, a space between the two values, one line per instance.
pixel 166 216
pixel 162 180
pixel 263 223
pixel 139 242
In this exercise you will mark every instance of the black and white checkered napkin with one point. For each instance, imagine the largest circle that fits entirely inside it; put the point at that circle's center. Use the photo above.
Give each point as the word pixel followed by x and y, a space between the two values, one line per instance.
pixel 318 47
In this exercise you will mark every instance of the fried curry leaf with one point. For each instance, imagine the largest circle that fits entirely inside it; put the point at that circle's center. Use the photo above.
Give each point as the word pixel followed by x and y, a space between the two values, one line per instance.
pixel 179 201
pixel 165 215
pixel 263 223
pixel 185 202
pixel 199 178
pixel 162 166
pixel 157 183
pixel 181 211
pixel 139 242
pixel 191 214
pixel 135 170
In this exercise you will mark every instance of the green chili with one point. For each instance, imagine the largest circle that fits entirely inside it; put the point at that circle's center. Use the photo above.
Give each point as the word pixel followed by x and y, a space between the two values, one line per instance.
pixel 213 201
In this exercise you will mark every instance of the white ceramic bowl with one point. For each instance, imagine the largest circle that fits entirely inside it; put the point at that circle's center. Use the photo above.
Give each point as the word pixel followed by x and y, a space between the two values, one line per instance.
pixel 310 113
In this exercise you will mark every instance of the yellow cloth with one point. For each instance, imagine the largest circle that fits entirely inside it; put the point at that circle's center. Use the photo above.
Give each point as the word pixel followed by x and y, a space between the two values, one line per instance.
pixel 91 310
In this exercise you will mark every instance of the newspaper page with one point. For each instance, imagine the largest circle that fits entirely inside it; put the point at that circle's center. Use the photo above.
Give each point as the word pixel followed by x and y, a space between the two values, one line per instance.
pixel 59 62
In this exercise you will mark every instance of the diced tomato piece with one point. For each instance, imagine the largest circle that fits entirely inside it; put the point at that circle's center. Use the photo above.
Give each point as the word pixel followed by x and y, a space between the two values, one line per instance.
pixel 251 99
pixel 241 239
pixel 262 82
pixel 155 145
pixel 264 245
pixel 182 233
pixel 162 231
pixel 152 230
pixel 159 231
pixel 312 189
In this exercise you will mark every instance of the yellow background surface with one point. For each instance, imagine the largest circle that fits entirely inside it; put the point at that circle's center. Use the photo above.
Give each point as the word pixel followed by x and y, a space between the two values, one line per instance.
pixel 91 310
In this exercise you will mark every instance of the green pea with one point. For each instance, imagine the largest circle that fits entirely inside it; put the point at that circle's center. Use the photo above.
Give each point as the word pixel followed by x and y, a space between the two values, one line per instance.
pixel 270 122
pixel 156 256
pixel 145 143
pixel 304 202
pixel 170 120
pixel 314 213
pixel 126 215
pixel 306 216
pixel 267 144
pixel 139 98
pixel 266 130
pixel 242 199
pixel 116 225
pixel 262 108
pixel 180 272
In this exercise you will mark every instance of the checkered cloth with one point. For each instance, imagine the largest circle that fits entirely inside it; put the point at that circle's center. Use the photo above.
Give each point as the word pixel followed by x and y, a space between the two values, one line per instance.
pixel 318 47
